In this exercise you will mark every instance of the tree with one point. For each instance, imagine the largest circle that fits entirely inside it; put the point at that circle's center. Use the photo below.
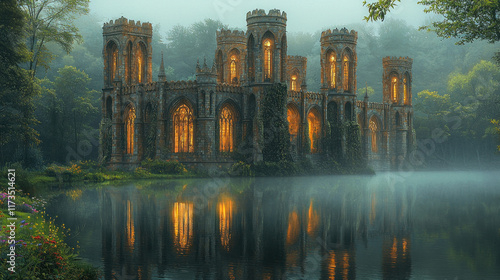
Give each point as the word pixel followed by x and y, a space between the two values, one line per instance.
pixel 50 21
pixel 17 87
pixel 465 20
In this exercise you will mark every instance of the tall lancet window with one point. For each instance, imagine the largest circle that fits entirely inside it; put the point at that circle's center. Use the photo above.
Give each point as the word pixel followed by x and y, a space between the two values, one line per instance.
pixel 333 70
pixel 346 73
pixel 394 89
pixel 268 55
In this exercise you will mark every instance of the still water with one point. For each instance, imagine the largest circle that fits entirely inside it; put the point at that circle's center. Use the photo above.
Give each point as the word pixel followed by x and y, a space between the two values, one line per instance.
pixel 424 225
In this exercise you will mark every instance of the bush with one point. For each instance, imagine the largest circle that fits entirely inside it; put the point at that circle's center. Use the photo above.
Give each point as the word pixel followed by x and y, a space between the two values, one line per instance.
pixel 64 173
pixel 141 172
pixel 163 166
pixel 91 166
pixel 94 177
pixel 241 169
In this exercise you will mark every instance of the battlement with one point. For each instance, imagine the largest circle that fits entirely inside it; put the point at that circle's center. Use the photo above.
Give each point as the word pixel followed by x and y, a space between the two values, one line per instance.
pixel 339 35
pixel 123 24
pixel 260 16
pixel 230 36
pixel 397 61
pixel 297 58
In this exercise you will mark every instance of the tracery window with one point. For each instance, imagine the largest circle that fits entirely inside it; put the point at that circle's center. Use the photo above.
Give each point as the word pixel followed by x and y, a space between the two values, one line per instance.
pixel 374 130
pixel 267 59
pixel 226 129
pixel 234 75
pixel 140 64
pixel 294 83
pixel 314 123
pixel 333 70
pixel 406 94
pixel 394 89
pixel 129 128
pixel 346 73
pixel 183 129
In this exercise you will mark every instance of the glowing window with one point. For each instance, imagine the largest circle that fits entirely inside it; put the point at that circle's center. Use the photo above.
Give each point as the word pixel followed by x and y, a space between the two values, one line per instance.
pixel 234 77
pixel 112 61
pixel 405 90
pixel 374 130
pixel 346 73
pixel 226 131
pixel 140 64
pixel 129 129
pixel 267 59
pixel 183 129
pixel 314 122
pixel 333 71
pixel 294 83
pixel 293 119
pixel 394 89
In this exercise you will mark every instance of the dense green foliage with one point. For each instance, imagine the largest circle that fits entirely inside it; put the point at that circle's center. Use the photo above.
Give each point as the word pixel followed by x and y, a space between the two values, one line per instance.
pixel 163 166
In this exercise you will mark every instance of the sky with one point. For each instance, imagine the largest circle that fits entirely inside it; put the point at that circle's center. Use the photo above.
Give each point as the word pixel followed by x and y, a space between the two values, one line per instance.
pixel 304 16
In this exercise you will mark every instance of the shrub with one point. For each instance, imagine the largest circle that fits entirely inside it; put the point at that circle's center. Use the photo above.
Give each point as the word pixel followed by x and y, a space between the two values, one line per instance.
pixel 64 173
pixel 141 172
pixel 94 177
pixel 163 166
pixel 241 169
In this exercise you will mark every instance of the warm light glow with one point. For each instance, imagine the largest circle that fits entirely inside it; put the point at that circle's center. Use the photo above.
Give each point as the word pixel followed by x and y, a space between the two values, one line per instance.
pixel 394 250
pixel 346 264
pixel 130 226
pixel 226 130
pixel 225 211
pixel 294 83
pixel 405 90
pixel 374 130
pixel 183 225
pixel 292 233
pixel 312 219
pixel 332 266
pixel 346 73
pixel 234 77
pixel 183 129
pixel 140 63
pixel 394 89
pixel 405 246
pixel 333 71
pixel 314 123
pixel 267 59
pixel 293 118
pixel 115 63
pixel 129 128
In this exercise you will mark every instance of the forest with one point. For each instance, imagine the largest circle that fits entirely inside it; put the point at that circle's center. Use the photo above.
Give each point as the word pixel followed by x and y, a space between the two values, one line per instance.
pixel 56 91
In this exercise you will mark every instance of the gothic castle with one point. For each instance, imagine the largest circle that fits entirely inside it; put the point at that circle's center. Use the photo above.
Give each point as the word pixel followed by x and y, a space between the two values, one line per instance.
pixel 210 119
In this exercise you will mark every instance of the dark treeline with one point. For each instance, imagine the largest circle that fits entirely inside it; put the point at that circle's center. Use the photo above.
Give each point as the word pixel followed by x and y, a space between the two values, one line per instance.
pixel 450 82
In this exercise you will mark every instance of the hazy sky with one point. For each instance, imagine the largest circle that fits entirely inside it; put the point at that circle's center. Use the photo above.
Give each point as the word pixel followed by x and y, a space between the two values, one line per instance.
pixel 306 15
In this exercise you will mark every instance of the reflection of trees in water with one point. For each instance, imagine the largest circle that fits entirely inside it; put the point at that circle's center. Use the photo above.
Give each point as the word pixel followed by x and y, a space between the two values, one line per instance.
pixel 269 229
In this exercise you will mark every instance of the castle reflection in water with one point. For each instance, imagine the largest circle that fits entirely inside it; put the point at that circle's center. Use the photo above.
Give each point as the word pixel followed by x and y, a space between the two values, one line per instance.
pixel 254 230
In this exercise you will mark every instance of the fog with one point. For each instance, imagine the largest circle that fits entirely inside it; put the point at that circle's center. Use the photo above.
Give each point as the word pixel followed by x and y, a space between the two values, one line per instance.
pixel 304 16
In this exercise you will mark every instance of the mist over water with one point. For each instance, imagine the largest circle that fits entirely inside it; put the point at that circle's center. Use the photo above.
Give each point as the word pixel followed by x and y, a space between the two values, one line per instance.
pixel 424 225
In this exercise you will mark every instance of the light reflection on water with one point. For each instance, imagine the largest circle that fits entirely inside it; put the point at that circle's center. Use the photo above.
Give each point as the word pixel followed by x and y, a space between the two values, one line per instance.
pixel 434 225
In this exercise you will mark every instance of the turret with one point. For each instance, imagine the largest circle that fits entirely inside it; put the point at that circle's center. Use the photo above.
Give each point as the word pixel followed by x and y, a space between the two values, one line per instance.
pixel 296 73
pixel 397 80
pixel 230 56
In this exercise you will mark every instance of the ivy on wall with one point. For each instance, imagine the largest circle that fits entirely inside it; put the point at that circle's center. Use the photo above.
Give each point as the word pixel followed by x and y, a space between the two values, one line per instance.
pixel 105 139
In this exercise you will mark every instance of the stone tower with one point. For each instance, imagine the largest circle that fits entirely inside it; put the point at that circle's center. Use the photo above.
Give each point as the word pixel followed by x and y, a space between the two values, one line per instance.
pixel 266 46
pixel 230 56
pixel 396 81
pixel 338 61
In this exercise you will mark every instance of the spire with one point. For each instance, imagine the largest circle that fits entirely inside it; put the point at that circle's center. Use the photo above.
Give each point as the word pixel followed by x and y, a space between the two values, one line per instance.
pixel 366 92
pixel 162 76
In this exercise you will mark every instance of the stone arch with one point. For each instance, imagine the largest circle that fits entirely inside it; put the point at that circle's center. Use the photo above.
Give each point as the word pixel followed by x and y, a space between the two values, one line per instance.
pixel 234 66
pixel 109 107
pixel 314 128
pixel 375 134
pixel 332 112
pixel 406 89
pixel 141 60
pixel 293 118
pixel 294 80
pixel 348 111
pixel 331 68
pixel 182 119
pixel 129 116
pixel 347 69
pixel 268 49
pixel 251 58
pixel 220 67
pixel 228 118
pixel 111 61
pixel 397 119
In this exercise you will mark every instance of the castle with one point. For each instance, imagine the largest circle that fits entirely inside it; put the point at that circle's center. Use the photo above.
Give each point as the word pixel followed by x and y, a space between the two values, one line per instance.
pixel 210 119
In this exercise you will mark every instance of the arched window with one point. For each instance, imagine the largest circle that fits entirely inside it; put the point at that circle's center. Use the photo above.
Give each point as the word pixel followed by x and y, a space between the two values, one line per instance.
pixel 333 70
pixel 374 131
pixel 346 72
pixel 293 118
pixel 183 129
pixel 227 120
pixel 112 63
pixel 128 69
pixel 141 63
pixel 332 112
pixel 314 123
pixel 109 107
pixel 397 118
pixel 406 89
pixel 234 69
pixel 394 89
pixel 348 111
pixel 293 83
pixel 268 58
pixel 129 128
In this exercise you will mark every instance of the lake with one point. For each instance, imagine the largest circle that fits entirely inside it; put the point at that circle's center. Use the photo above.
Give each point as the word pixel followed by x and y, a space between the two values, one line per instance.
pixel 422 225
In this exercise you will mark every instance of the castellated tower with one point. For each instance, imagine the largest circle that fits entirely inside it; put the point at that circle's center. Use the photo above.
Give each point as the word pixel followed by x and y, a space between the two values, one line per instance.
pixel 296 73
pixel 230 57
pixel 396 81
pixel 266 46
pixel 338 61
pixel 127 52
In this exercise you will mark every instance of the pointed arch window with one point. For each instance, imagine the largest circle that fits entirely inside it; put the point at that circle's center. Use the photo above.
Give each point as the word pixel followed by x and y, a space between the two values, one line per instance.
pixel 268 58
pixel 406 90
pixel 394 89
pixel 333 70
pixel 374 131
pixel 129 128
pixel 346 72
pixel 141 63
pixel 112 62
pixel 293 83
pixel 293 119
pixel 314 124
pixel 128 69
pixel 234 69
pixel 226 129
pixel 183 129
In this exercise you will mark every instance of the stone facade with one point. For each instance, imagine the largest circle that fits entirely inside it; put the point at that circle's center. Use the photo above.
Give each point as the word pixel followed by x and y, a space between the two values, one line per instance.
pixel 216 116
